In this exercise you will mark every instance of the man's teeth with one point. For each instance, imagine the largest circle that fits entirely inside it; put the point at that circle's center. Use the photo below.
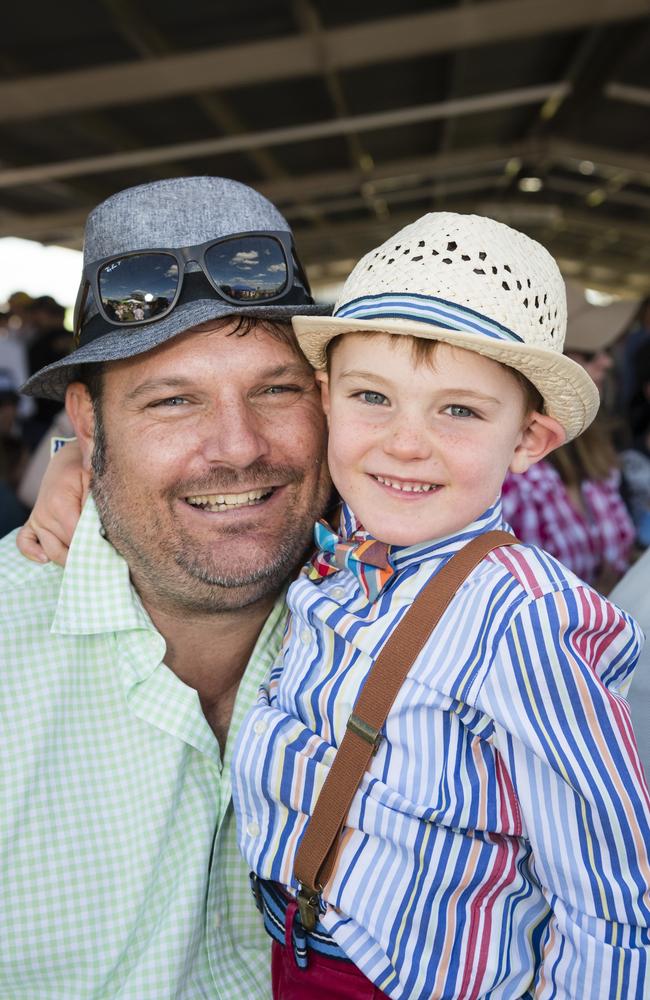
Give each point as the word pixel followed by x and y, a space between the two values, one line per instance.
pixel 407 487
pixel 226 501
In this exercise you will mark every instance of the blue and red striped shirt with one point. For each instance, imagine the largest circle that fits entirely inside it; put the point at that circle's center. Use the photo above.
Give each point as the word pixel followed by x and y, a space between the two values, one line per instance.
pixel 498 846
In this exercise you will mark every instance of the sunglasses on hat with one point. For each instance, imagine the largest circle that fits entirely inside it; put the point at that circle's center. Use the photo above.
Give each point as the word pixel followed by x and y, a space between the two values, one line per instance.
pixel 143 286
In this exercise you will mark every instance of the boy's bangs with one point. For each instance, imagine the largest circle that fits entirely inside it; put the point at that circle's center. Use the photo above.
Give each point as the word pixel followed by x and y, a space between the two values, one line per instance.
pixel 422 353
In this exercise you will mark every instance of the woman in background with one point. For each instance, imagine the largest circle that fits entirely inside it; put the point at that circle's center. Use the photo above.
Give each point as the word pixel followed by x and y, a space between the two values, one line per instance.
pixel 571 504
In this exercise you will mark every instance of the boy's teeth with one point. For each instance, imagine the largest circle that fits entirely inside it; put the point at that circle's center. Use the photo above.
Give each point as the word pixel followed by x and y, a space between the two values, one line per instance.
pixel 225 501
pixel 407 487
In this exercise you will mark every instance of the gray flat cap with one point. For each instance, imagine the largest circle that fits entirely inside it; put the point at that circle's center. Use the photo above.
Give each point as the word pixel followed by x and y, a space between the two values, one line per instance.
pixel 174 213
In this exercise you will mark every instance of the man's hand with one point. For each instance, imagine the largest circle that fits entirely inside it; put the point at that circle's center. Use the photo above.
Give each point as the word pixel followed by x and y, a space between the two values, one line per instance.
pixel 47 533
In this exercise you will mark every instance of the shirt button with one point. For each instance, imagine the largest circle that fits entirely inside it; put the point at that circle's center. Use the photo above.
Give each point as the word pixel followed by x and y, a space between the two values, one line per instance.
pixel 253 829
pixel 338 592
pixel 217 921
pixel 305 635
pixel 260 727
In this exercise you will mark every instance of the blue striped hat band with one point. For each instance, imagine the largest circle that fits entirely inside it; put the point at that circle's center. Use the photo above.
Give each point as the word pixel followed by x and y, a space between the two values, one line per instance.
pixel 425 309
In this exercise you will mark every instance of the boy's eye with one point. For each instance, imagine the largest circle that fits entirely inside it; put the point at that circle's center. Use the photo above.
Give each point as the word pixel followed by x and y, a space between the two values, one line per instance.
pixel 372 398
pixel 455 410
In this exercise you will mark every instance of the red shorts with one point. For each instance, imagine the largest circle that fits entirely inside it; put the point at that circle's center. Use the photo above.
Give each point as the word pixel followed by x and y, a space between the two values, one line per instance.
pixel 324 978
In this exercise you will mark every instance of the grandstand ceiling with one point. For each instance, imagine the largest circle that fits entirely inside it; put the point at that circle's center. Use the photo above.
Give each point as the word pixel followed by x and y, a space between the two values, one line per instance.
pixel 353 117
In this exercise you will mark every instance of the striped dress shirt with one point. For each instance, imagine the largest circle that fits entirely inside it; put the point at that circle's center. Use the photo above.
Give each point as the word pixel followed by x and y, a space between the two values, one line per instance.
pixel 498 845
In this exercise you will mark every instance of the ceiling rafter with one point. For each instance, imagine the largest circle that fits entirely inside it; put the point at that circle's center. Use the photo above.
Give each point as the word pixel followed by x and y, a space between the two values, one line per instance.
pixel 292 57
pixel 325 188
pixel 150 43
pixel 21 176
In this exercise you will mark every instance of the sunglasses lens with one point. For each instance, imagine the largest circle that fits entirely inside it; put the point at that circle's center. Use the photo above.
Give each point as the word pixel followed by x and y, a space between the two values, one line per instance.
pixel 139 287
pixel 248 268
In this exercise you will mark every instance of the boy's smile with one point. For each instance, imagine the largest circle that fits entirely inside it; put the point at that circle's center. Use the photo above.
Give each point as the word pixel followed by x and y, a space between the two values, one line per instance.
pixel 420 449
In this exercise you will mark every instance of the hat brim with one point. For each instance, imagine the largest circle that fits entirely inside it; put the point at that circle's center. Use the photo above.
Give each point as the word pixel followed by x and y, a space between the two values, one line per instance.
pixel 596 328
pixel 120 343
pixel 570 396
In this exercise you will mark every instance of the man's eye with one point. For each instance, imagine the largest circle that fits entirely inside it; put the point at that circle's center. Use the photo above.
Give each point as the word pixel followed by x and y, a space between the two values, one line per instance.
pixel 170 401
pixel 459 411
pixel 372 398
pixel 279 390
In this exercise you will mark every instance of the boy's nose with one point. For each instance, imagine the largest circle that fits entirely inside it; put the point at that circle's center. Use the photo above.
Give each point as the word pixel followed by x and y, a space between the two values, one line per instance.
pixel 407 441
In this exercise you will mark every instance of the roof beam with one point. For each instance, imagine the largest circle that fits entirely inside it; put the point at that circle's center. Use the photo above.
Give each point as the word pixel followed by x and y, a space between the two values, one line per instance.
pixel 631 95
pixel 384 178
pixel 151 43
pixel 365 43
pixel 319 188
pixel 21 176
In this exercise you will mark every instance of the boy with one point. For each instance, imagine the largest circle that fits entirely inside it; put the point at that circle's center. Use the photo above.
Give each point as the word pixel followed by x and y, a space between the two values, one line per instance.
pixel 498 844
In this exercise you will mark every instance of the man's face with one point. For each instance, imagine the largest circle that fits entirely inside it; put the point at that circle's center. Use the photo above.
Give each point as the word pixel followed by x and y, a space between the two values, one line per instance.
pixel 214 468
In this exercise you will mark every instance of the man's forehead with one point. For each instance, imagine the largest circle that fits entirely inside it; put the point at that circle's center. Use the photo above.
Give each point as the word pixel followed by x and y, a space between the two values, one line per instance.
pixel 205 348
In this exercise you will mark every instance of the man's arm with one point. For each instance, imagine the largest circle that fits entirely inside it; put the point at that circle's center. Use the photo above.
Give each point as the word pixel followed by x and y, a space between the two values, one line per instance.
pixel 49 529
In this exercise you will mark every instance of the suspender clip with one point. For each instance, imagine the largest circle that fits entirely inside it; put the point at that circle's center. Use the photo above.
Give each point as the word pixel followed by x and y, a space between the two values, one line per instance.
pixel 308 907
pixel 366 732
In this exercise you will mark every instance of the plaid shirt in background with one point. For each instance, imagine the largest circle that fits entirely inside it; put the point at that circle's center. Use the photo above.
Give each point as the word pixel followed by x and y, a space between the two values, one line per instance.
pixel 541 512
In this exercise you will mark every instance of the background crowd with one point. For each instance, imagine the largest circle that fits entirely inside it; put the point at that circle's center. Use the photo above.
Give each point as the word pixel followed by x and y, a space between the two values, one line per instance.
pixel 588 503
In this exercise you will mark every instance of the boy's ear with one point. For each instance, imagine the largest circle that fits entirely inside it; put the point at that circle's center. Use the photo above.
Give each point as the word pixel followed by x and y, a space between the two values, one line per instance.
pixel 323 380
pixel 541 435
pixel 79 407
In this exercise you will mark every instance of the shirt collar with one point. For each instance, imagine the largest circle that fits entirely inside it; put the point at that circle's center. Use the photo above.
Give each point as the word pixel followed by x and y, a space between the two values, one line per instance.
pixel 96 593
pixel 437 549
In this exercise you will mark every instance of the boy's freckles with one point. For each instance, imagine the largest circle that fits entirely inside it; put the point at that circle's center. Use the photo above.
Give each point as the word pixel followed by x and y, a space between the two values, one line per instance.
pixel 419 450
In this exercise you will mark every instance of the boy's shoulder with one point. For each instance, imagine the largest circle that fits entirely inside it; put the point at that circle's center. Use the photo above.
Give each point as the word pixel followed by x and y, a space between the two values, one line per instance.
pixel 535 572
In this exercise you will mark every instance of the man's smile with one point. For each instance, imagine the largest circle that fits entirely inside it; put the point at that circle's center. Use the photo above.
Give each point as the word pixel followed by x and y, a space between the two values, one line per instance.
pixel 229 501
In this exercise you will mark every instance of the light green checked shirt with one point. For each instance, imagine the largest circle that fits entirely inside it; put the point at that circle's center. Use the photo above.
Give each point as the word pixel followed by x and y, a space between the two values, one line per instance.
pixel 120 874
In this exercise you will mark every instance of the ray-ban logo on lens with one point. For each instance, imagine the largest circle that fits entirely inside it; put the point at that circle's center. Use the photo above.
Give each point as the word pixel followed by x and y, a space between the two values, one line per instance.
pixel 111 267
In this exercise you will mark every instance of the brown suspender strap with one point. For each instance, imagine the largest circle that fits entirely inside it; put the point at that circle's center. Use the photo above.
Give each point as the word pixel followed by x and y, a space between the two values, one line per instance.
pixel 316 853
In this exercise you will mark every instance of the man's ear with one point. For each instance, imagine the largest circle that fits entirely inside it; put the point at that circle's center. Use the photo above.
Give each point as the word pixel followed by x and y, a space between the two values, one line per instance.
pixel 541 435
pixel 323 380
pixel 79 407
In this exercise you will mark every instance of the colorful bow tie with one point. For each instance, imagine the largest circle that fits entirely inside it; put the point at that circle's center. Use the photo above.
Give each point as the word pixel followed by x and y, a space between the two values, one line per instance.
pixel 362 555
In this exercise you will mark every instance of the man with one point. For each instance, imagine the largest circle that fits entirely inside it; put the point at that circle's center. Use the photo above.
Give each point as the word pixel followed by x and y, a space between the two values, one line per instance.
pixel 125 675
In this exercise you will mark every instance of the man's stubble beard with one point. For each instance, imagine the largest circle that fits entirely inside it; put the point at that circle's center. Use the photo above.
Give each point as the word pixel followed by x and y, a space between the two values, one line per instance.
pixel 172 570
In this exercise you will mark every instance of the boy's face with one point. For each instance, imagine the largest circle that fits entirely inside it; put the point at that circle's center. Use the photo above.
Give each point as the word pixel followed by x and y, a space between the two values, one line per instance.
pixel 420 450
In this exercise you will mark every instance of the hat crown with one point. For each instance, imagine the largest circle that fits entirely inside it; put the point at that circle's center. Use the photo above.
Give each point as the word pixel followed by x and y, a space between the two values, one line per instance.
pixel 472 262
pixel 177 212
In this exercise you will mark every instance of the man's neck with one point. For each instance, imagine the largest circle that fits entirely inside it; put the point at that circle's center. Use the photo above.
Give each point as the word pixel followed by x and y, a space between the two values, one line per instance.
pixel 210 652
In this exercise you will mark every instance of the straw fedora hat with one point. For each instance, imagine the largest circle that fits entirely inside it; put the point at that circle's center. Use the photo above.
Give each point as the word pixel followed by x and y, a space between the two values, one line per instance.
pixel 474 283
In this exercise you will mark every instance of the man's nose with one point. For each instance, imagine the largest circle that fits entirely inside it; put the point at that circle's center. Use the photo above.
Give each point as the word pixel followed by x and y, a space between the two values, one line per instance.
pixel 234 436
